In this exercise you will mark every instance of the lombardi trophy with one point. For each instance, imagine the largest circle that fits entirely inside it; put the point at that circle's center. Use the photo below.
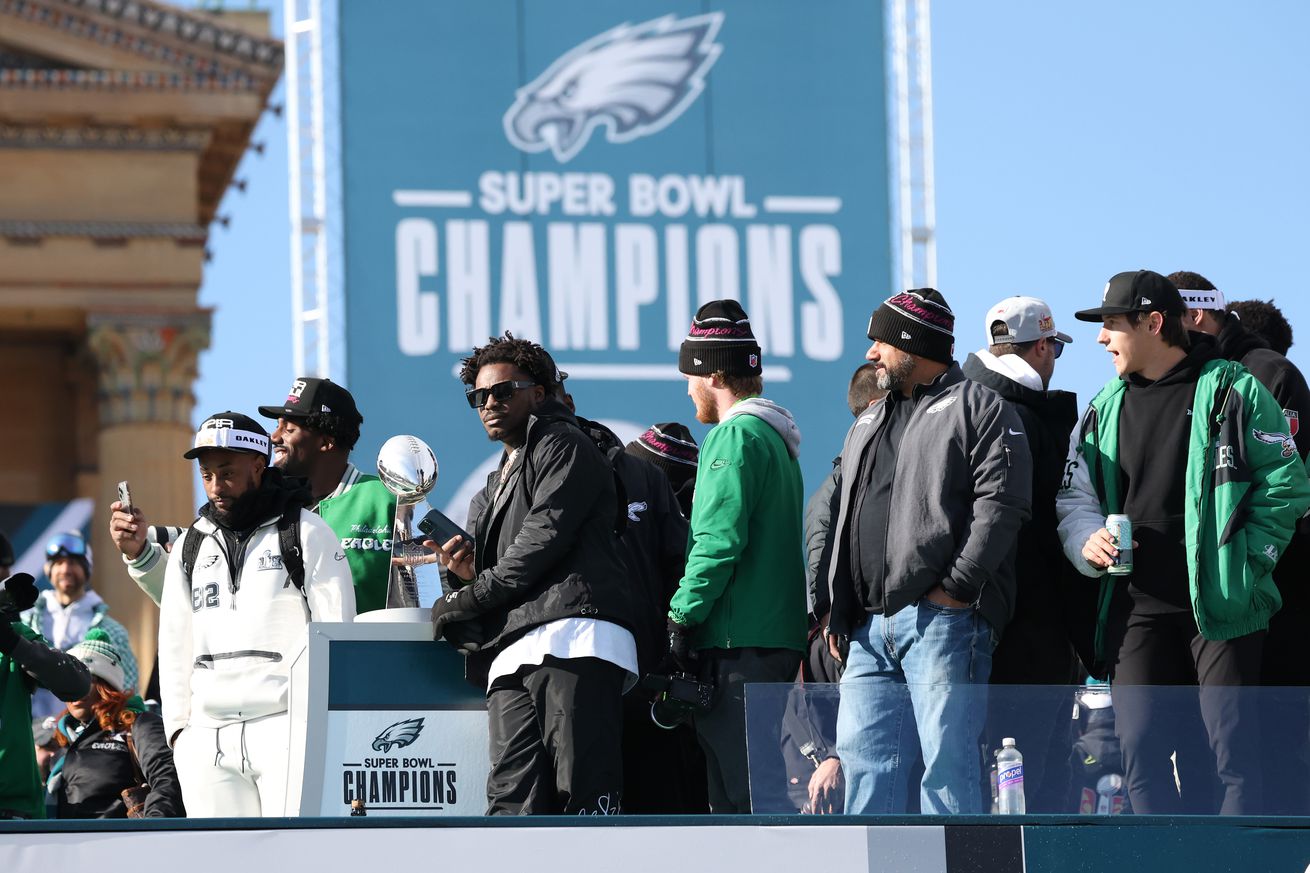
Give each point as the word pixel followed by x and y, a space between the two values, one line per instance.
pixel 407 466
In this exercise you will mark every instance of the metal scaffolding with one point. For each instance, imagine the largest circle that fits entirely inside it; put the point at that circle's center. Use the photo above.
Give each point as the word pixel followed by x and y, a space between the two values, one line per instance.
pixel 914 248
pixel 318 341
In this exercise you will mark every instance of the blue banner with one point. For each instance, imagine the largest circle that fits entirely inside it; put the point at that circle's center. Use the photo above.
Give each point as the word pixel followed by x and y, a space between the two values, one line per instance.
pixel 586 174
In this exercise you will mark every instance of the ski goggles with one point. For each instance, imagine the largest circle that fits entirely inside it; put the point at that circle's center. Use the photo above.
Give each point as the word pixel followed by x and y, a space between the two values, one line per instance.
pixel 502 391
pixel 66 545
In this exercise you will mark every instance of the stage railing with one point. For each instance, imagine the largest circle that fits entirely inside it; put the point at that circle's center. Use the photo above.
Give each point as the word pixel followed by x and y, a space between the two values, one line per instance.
pixel 1158 750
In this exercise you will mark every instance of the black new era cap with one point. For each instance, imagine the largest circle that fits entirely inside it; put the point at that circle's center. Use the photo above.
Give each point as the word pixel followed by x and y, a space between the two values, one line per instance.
pixel 310 396
pixel 232 432
pixel 1136 291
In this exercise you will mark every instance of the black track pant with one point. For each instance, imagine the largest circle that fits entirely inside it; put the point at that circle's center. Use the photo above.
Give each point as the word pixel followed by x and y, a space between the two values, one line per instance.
pixel 556 736
pixel 1152 723
pixel 663 770
pixel 1285 716
pixel 722 730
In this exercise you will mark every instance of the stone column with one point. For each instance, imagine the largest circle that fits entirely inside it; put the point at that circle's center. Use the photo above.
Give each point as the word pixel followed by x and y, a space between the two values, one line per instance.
pixel 147 366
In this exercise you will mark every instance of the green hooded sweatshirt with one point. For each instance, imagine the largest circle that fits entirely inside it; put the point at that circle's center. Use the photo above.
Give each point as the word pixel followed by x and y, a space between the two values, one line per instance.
pixel 744 582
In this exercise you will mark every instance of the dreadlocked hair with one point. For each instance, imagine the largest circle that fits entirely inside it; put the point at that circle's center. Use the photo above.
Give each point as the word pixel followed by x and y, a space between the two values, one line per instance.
pixel 528 356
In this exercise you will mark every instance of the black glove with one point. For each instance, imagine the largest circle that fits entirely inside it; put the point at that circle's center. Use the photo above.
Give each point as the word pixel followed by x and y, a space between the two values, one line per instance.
pixel 680 647
pixel 457 606
pixel 467 636
pixel 17 593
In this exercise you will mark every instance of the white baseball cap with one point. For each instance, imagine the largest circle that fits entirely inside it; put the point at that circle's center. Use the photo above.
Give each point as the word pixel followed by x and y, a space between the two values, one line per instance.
pixel 1212 299
pixel 231 431
pixel 1028 319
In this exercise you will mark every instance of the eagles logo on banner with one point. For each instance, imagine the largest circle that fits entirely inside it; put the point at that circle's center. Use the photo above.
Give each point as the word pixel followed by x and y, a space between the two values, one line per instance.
pixel 586 174
pixel 635 80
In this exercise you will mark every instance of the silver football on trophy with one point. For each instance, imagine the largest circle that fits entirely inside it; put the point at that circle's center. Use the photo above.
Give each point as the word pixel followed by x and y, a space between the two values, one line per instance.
pixel 408 468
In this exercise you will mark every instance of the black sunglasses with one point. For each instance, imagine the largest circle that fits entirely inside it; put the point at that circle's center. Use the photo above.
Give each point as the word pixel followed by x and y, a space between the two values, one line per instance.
pixel 502 391
pixel 1059 348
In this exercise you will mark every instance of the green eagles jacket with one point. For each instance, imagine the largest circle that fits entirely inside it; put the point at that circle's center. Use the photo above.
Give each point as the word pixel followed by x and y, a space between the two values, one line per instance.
pixel 1246 488
pixel 361 511
pixel 744 582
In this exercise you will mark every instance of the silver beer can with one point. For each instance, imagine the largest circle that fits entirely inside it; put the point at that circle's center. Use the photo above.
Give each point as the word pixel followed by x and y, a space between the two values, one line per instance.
pixel 1120 528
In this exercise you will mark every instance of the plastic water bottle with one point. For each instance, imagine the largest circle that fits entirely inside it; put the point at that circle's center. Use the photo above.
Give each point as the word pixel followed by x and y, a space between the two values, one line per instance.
pixel 1009 779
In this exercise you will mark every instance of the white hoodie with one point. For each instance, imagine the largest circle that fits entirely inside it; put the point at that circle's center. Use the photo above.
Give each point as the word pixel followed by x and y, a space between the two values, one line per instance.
pixel 225 656
pixel 1012 367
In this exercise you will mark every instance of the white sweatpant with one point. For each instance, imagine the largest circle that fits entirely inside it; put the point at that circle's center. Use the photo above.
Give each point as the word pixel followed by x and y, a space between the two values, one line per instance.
pixel 235 771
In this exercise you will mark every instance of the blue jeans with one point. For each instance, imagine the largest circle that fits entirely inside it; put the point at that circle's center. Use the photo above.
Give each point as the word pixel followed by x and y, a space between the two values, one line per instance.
pixel 915 682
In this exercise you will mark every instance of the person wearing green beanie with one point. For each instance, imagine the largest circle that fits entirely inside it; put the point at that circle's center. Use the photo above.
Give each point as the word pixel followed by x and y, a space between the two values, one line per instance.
pixel 112 742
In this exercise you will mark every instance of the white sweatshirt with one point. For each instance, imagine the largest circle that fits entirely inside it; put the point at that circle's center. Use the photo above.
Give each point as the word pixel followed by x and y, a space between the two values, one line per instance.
pixel 226 657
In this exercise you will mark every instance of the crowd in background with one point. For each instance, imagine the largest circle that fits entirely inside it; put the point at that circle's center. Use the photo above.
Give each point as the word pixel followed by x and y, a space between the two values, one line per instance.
pixel 613 601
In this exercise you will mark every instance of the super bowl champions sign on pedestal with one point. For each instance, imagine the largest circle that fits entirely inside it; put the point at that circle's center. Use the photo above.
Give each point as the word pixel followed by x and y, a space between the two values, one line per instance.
pixel 585 174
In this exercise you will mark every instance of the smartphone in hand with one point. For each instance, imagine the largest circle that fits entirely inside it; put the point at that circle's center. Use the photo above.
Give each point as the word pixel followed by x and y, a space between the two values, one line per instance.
pixel 440 528
pixel 125 497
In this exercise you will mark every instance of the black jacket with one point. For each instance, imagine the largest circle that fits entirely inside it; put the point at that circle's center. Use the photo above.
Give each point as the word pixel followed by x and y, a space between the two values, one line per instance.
pixel 98 766
pixel 547 548
pixel 1274 371
pixel 1037 648
pixel 1048 419
pixel 963 479
pixel 1289 388
pixel 654 542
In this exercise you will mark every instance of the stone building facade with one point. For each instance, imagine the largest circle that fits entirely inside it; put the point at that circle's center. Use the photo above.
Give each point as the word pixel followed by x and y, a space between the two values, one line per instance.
pixel 121 126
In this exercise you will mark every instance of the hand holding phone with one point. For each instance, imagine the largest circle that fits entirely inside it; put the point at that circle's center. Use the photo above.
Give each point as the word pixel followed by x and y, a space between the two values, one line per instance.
pixel 127 526
pixel 458 559
pixel 440 528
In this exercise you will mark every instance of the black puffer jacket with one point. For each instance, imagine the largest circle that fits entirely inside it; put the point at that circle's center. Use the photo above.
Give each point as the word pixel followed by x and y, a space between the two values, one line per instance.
pixel 98 766
pixel 546 549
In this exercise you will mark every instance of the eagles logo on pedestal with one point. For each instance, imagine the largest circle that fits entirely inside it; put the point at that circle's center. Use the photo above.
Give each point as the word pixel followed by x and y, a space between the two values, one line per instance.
pixel 398 735
pixel 415 783
pixel 635 79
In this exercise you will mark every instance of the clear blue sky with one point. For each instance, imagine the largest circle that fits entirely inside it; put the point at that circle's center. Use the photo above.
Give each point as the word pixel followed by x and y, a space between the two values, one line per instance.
pixel 1073 141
